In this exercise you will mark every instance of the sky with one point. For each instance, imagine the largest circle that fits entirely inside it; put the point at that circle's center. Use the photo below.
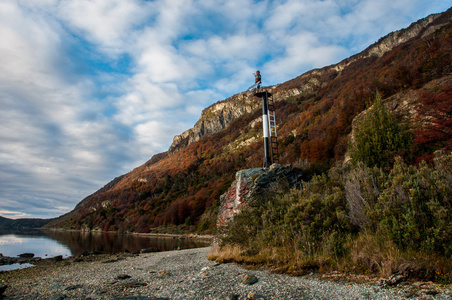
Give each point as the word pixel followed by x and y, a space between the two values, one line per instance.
pixel 91 89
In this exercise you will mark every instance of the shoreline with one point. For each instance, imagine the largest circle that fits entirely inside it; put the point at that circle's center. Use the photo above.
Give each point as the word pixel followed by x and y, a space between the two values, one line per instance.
pixel 11 261
pixel 173 235
pixel 186 274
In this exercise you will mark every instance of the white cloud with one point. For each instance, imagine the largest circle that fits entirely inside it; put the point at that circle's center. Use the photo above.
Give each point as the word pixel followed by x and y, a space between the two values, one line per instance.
pixel 13 215
pixel 161 63
pixel 230 47
pixel 105 23
pixel 303 51
pixel 28 48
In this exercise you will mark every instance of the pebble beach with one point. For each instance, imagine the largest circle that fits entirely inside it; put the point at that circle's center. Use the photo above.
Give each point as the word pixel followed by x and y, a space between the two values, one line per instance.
pixel 185 274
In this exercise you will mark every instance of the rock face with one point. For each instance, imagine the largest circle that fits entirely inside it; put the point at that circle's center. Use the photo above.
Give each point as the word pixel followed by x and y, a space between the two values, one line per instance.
pixel 232 201
pixel 215 118
pixel 250 184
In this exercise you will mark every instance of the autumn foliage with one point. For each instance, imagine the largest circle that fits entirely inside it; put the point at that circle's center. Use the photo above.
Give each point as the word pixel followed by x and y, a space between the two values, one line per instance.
pixel 435 113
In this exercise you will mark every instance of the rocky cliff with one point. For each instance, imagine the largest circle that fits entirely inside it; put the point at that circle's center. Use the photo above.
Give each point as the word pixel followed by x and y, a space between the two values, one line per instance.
pixel 216 118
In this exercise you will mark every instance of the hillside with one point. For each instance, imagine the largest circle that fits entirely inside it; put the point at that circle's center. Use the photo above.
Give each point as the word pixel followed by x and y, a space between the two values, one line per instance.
pixel 315 113
pixel 20 224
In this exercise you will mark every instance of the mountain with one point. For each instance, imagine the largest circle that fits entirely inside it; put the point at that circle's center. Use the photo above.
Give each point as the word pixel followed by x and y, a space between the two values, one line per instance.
pixel 20 224
pixel 314 112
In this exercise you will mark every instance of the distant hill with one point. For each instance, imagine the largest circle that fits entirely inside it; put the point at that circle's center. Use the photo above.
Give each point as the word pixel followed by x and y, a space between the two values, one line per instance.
pixel 314 113
pixel 21 224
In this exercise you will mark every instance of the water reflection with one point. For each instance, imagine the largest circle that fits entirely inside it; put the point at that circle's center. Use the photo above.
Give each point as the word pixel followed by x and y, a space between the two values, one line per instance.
pixel 50 243
pixel 15 267
pixel 14 243
pixel 109 242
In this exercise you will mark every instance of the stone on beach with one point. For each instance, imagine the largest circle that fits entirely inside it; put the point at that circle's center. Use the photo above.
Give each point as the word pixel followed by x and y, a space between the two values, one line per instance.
pixel 26 255
pixel 250 279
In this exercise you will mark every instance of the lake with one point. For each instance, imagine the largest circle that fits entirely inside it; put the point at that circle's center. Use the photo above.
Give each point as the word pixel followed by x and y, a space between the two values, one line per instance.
pixel 49 243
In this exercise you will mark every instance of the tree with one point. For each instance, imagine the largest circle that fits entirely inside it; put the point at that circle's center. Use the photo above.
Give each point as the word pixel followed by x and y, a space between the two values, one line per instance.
pixel 379 137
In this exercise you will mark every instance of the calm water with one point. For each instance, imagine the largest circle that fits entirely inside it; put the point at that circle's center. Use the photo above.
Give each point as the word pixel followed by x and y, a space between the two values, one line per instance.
pixel 69 243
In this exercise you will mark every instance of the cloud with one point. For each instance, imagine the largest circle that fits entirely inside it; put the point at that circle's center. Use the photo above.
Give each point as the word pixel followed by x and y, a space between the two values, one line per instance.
pixel 303 51
pixel 13 214
pixel 107 24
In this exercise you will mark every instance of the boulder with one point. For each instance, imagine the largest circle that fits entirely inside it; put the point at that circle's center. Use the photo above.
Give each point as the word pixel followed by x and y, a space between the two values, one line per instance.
pixel 26 255
pixel 254 296
pixel 395 279
pixel 6 260
pixel 250 279
pixel 237 195
pixel 123 276
pixel 57 258
pixel 251 184
pixel 163 273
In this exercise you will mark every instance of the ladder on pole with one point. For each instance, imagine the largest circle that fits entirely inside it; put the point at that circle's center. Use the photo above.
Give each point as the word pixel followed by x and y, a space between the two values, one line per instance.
pixel 272 129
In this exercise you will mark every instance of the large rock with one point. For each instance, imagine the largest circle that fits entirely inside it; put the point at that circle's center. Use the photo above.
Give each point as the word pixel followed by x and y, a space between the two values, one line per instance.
pixel 26 255
pixel 250 279
pixel 6 260
pixel 250 184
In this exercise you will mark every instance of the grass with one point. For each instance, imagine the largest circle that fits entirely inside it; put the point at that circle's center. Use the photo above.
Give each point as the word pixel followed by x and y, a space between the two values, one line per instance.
pixel 368 260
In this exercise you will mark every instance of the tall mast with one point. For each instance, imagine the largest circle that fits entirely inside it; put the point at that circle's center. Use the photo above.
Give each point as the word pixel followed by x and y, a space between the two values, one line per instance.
pixel 265 126
pixel 268 122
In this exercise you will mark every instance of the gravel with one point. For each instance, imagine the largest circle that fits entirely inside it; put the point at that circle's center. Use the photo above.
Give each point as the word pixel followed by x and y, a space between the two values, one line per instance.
pixel 186 274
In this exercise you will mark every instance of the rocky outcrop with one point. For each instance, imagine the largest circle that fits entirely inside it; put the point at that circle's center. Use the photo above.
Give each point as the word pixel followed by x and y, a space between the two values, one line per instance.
pixel 251 184
pixel 421 28
pixel 215 118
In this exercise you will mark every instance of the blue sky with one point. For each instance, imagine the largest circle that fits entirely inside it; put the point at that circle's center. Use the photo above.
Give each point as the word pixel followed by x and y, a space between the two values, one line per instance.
pixel 90 89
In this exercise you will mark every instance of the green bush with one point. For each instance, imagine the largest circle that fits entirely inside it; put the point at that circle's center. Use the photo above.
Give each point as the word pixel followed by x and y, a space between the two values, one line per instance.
pixel 311 220
pixel 415 208
pixel 379 138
